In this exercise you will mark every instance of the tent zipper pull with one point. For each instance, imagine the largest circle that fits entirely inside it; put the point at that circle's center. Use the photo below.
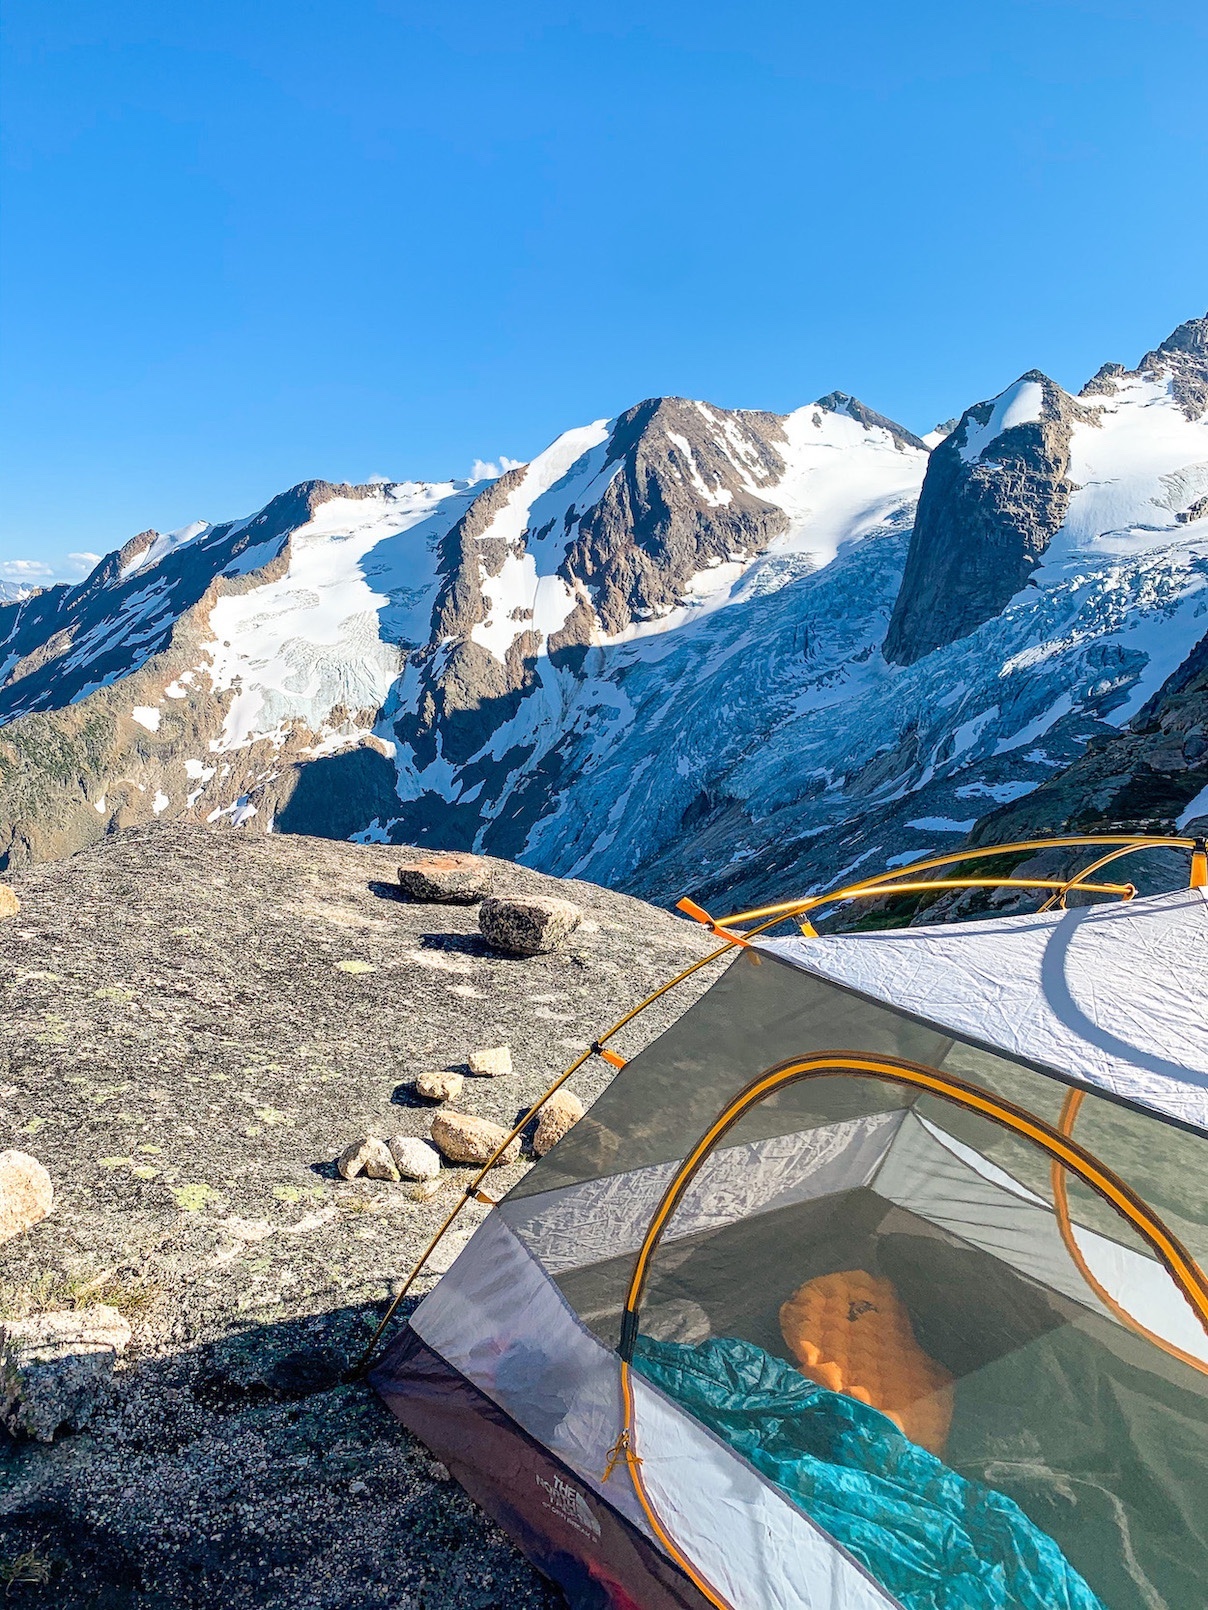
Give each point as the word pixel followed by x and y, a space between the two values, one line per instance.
pixel 620 1449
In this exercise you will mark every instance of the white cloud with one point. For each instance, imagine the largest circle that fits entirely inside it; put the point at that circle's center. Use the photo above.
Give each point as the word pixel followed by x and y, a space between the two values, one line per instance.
pixel 41 573
pixel 32 570
pixel 486 469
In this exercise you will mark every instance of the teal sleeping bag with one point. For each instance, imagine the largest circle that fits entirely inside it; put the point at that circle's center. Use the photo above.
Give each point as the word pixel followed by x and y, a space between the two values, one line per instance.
pixel 932 1539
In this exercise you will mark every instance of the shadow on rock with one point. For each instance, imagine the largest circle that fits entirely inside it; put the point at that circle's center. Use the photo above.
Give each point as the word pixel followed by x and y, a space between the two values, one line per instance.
pixel 255 1470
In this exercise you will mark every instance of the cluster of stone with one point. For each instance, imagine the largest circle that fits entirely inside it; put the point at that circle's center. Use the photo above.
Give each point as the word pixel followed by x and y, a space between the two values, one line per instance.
pixel 516 925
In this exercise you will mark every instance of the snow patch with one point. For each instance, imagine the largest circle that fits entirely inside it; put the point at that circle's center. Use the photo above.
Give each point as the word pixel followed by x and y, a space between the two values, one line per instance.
pixel 147 715
pixel 1020 404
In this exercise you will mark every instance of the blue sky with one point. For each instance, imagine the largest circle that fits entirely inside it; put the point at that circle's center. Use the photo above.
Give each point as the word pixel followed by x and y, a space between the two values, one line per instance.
pixel 246 244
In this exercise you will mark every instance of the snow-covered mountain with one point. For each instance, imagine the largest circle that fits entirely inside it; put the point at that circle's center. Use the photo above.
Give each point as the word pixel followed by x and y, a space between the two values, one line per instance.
pixel 687 649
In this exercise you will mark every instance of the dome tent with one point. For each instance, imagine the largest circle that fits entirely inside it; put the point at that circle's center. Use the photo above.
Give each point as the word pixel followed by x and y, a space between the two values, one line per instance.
pixel 875 1280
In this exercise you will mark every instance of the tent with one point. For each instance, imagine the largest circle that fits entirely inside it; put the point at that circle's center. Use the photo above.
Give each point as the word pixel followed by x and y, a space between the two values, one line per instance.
pixel 873 1281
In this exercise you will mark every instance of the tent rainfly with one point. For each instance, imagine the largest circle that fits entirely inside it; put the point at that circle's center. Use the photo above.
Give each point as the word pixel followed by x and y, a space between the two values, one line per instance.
pixel 874 1281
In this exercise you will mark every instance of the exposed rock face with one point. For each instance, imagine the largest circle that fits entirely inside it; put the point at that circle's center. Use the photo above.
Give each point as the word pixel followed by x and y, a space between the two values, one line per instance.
pixel 1183 358
pixel 559 1115
pixel 9 904
pixel 451 879
pixel 838 402
pixel 650 656
pixel 56 1368
pixel 463 1138
pixel 995 495
pixel 529 927
pixel 679 501
pixel 172 954
pixel 26 1193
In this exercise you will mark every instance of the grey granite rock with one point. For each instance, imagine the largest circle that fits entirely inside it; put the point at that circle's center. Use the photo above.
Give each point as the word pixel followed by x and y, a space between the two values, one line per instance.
pixel 531 926
pixel 449 877
pixel 214 1055
pixel 56 1368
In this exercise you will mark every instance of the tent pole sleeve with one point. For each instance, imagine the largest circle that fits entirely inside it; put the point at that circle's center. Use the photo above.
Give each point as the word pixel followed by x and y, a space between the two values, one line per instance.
pixel 788 908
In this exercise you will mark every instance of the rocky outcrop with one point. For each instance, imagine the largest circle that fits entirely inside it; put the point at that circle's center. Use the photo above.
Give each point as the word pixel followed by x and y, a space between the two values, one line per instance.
pixel 995 495
pixel 194 1058
pixel 684 497
pixel 838 402
pixel 56 1369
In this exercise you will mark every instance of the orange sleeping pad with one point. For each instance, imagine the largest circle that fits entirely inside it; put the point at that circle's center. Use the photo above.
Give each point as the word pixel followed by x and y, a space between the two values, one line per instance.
pixel 850 1332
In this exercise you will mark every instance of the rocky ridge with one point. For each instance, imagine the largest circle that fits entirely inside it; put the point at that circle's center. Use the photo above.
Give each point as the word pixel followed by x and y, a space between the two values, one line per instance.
pixel 685 650
pixel 195 1024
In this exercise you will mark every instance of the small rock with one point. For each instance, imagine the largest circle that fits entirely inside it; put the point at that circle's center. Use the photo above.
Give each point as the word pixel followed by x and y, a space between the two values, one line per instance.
pixel 491 1064
pixel 55 1369
pixel 561 1112
pixel 26 1194
pixel 439 1086
pixel 528 925
pixel 466 1139
pixel 414 1159
pixel 437 1471
pixel 9 904
pixel 357 1488
pixel 369 1157
pixel 450 878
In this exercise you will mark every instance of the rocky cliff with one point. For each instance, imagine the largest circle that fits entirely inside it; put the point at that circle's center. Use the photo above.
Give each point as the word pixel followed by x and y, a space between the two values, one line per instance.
pixel 996 494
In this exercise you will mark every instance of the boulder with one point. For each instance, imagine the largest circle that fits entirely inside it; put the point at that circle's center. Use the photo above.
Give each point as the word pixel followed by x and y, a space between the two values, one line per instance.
pixel 439 1086
pixel 466 1139
pixel 56 1369
pixel 450 878
pixel 561 1112
pixel 415 1159
pixel 9 904
pixel 26 1194
pixel 369 1157
pixel 527 925
pixel 491 1064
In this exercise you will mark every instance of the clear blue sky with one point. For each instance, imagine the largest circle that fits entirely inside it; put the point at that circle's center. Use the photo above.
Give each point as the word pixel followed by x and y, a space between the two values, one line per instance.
pixel 248 243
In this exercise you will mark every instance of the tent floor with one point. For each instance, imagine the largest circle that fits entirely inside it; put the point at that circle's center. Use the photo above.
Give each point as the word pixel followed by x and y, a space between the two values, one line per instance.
pixel 593 1554
pixel 1097 1436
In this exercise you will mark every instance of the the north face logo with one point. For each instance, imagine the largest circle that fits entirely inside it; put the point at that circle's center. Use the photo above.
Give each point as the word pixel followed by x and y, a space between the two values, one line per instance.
pixel 569 1504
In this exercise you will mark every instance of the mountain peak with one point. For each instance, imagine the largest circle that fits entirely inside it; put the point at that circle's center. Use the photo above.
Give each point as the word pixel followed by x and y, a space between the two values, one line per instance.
pixel 1181 360
pixel 839 402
